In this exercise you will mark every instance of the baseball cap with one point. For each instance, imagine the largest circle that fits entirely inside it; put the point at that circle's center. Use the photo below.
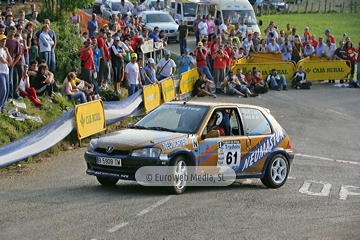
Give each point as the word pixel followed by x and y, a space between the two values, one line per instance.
pixel 87 40
pixel 308 43
pixel 200 43
pixel 306 28
pixel 132 32
pixel 133 55
pixel 116 39
pixel 105 25
pixel 151 60
pixel 167 53
pixel 2 37
pixel 327 31
pixel 186 50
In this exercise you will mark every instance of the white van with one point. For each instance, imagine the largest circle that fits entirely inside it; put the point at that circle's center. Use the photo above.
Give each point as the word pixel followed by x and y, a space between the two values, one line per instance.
pixel 182 10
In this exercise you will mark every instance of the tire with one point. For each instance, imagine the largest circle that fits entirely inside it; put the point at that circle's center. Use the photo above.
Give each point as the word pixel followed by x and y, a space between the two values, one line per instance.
pixel 107 181
pixel 180 168
pixel 276 172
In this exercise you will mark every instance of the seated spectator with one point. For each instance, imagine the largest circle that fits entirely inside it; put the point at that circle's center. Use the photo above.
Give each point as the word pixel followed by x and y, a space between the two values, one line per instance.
pixel 73 94
pixel 43 81
pixel 308 50
pixel 186 62
pixel 275 81
pixel 273 47
pixel 233 86
pixel 25 90
pixel 299 80
pixel 82 86
pixel 262 47
pixel 202 87
pixel 256 82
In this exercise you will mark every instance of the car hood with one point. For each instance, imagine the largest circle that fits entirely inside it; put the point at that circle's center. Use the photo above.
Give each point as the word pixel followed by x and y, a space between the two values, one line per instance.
pixel 163 26
pixel 129 139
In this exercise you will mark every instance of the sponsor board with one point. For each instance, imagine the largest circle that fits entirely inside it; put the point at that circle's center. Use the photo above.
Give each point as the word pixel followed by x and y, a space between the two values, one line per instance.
pixel 152 97
pixel 168 89
pixel 187 80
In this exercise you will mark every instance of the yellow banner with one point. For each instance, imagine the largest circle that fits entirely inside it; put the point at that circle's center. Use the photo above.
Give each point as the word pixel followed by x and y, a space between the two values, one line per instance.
pixel 241 60
pixel 261 59
pixel 188 79
pixel 323 70
pixel 90 118
pixel 286 68
pixel 152 97
pixel 168 89
pixel 268 55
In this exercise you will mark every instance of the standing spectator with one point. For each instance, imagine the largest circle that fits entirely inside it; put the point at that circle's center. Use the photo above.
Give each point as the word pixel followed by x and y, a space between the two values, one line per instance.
pixel 256 42
pixel 358 62
pixel 219 67
pixel 243 28
pixel 288 30
pixel 104 66
pixel 211 26
pixel 319 47
pixel 151 7
pixel 43 82
pixel 75 18
pixel 196 28
pixel 247 44
pixel 8 23
pixel 274 47
pixel 86 54
pixel 328 35
pixel 14 48
pixel 92 25
pixel 21 16
pixel 145 80
pixel 132 75
pixel 5 61
pixel 296 52
pixel 223 27
pixel 33 9
pixel 292 36
pixel 33 18
pixel 117 63
pixel 135 42
pixel 158 6
pixel 124 8
pixel 29 31
pixel 154 34
pixel 200 55
pixel 341 54
pixel 299 80
pixel 329 50
pixel 286 50
pixel 313 41
pixel 72 93
pixel 350 50
pixel 186 62
pixel 150 71
pixel 256 82
pixel 25 90
pixel 45 44
pixel 136 9
pixel 307 36
pixel 308 50
pixel 273 32
pixel 228 49
pixel 166 67
pixel 183 34
pixel 203 28
pixel 275 81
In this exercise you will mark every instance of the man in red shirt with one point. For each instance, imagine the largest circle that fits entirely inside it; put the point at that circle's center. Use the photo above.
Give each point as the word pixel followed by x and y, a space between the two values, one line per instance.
pixel 220 57
pixel 103 65
pixel 201 63
pixel 328 35
pixel 135 40
pixel 230 53
pixel 314 42
pixel 86 54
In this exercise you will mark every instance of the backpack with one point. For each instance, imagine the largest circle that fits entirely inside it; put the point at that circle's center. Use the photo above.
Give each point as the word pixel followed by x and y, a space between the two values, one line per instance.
pixel 110 97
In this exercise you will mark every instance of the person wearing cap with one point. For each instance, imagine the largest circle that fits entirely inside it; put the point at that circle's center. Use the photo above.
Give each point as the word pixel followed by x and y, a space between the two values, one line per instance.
pixel 5 61
pixel 186 62
pixel 328 35
pixel 117 63
pixel 92 25
pixel 135 41
pixel 132 75
pixel 219 66
pixel 106 27
pixel 275 81
pixel 86 54
pixel 306 36
pixel 200 55
pixel 124 8
pixel 151 7
pixel 150 71
pixel 308 50
pixel 166 67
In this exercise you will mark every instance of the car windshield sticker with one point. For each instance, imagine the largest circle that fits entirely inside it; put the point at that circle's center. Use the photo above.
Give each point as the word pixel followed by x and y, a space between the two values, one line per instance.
pixel 175 143
pixel 194 141
pixel 229 154
pixel 182 107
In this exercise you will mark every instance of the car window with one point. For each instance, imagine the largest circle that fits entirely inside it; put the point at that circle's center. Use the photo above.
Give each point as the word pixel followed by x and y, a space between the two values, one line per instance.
pixel 115 6
pixel 179 118
pixel 178 11
pixel 189 9
pixel 155 18
pixel 236 16
pixel 255 122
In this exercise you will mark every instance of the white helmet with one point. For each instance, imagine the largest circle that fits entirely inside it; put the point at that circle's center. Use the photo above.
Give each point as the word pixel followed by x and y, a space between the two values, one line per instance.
pixel 219 118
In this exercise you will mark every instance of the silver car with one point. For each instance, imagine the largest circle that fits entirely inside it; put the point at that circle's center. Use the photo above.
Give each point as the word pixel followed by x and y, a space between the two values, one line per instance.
pixel 110 7
pixel 163 20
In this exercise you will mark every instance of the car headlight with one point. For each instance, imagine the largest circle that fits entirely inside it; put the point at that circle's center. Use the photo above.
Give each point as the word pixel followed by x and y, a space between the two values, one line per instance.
pixel 146 152
pixel 91 146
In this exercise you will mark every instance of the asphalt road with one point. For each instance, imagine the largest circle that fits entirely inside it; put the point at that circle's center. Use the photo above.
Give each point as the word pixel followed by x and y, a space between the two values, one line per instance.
pixel 55 199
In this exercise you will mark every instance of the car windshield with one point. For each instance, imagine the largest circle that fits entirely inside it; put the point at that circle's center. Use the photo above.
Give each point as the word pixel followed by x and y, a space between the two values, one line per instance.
pixel 275 1
pixel 157 17
pixel 115 6
pixel 189 9
pixel 236 16
pixel 176 118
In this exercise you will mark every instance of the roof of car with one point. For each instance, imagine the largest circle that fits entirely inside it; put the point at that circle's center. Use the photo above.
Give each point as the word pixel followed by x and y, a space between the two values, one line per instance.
pixel 213 104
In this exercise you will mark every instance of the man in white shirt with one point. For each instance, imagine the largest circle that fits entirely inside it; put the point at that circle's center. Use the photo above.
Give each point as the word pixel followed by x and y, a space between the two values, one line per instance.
pixel 243 28
pixel 5 59
pixel 329 50
pixel 273 47
pixel 203 28
pixel 223 28
pixel 132 75
pixel 247 44
pixel 166 67
pixel 124 8
pixel 308 50
pixel 135 10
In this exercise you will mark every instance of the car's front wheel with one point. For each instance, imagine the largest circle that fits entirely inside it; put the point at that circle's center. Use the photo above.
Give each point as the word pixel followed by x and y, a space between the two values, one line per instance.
pixel 276 172
pixel 179 172
pixel 107 181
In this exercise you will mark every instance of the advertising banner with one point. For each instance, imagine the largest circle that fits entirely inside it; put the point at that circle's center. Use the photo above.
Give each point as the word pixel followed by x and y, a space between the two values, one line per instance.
pixel 261 59
pixel 152 97
pixel 268 55
pixel 147 46
pixel 187 80
pixel 168 89
pixel 325 69
pixel 90 118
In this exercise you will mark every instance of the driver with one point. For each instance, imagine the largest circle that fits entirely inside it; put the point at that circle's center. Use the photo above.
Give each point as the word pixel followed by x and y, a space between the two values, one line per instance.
pixel 214 122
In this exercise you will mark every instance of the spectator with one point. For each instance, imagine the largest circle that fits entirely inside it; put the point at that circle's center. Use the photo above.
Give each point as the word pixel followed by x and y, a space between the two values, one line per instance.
pixel 45 44
pixel 341 54
pixel 73 94
pixel 34 50
pixel 211 26
pixel 231 54
pixel 33 9
pixel 299 80
pixel 117 63
pixel 103 66
pixel 203 87
pixel 328 35
pixel 286 50
pixel 247 44
pixel 21 16
pixel 145 80
pixel 183 34
pixel 329 50
pixel 256 42
pixel 25 90
pixel 5 61
pixel 32 69
pixel 223 27
pixel 124 8
pixel 358 62
pixel 33 18
pixel 275 81
pixel 292 36
pixel 308 50
pixel 82 86
pixel 233 86
pixel 52 65
pixel 196 28
pixel 97 56
pixel 14 48
pixel 272 33
pixel 256 82
pixel 296 52
pixel 239 53
pixel 150 71
pixel 158 6
pixel 203 28
pixel 219 67
pixel 350 50
pixel 234 37
pixel 274 47
pixel 307 36
pixel 288 30
pixel 135 42
pixel 281 38
pixel 186 62
pixel 43 82
pixel 29 32
pixel 243 28
pixel 262 47
pixel 314 42
pixel 319 47
pixel 166 67
pixel 132 75
pixel 92 25
pixel 154 35
pixel 8 23
pixel 242 78
pixel 75 19
pixel 201 60
pixel 136 9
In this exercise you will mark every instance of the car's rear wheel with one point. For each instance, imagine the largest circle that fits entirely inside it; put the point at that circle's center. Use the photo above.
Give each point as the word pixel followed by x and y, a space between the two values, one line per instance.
pixel 276 172
pixel 107 181
pixel 180 172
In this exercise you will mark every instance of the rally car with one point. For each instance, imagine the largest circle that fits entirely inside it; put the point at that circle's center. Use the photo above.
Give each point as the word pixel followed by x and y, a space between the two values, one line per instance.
pixel 242 137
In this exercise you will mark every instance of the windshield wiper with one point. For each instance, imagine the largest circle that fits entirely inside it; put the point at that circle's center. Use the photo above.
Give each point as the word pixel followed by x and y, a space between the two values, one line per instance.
pixel 161 129
pixel 138 127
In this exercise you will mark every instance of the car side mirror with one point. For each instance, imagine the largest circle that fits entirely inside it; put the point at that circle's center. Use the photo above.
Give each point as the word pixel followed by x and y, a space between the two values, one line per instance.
pixel 211 134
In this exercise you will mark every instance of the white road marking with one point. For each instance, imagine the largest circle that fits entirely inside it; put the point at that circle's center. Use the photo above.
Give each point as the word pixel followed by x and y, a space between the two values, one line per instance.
pixel 325 191
pixel 339 113
pixel 328 159
pixel 146 210
pixel 291 177
pixel 345 191
pixel 117 227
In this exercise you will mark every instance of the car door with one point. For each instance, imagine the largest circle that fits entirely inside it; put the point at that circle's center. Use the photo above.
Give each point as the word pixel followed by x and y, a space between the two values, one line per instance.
pixel 225 151
pixel 257 129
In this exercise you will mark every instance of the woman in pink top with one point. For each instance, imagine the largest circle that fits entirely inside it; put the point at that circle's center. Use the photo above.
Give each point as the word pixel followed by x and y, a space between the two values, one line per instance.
pixel 75 19
pixel 211 25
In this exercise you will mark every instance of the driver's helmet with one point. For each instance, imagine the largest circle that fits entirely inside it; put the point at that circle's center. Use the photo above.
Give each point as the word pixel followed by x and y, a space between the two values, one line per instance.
pixel 219 118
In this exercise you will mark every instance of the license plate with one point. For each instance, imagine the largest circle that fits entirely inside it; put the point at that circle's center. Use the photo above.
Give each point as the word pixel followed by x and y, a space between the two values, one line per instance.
pixel 108 161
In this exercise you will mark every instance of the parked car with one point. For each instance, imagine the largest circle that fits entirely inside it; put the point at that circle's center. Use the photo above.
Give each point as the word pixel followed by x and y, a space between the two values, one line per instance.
pixel 110 7
pixel 178 135
pixel 279 5
pixel 146 3
pixel 163 20
pixel 96 7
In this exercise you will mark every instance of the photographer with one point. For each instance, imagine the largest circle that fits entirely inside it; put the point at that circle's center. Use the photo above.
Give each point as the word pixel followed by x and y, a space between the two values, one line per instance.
pixel 200 55
pixel 256 81
pixel 299 80
pixel 86 54
pixel 233 86
pixel 186 62
pixel 275 81
pixel 286 50
pixel 220 56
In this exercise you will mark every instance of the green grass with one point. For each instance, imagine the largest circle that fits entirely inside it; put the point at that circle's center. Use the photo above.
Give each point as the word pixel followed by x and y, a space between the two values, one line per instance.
pixel 338 23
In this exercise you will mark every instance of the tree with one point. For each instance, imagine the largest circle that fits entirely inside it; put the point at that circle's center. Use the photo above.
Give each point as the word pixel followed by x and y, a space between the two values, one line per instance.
pixel 58 10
